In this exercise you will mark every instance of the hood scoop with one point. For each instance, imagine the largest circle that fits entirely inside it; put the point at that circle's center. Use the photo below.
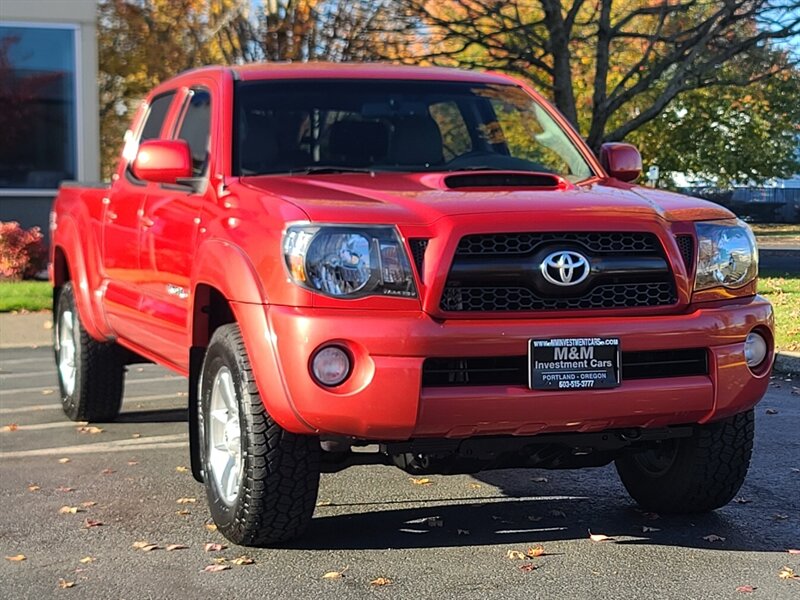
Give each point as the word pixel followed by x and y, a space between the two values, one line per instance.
pixel 505 180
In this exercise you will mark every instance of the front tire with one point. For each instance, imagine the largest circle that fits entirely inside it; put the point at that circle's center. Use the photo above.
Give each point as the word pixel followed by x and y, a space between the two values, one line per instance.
pixel 261 480
pixel 695 474
pixel 91 374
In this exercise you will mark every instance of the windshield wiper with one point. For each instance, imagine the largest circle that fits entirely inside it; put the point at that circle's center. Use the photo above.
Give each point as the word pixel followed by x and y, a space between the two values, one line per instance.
pixel 328 169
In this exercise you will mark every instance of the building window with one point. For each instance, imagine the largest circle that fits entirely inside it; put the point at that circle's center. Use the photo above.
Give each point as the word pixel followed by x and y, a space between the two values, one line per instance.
pixel 38 106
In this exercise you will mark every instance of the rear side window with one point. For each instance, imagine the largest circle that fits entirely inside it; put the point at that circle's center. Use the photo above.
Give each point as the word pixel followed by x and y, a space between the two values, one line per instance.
pixel 155 117
pixel 195 129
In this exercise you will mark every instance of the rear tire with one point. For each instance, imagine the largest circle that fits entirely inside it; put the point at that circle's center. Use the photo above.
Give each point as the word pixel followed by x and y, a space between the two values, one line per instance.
pixel 261 480
pixel 91 374
pixel 692 475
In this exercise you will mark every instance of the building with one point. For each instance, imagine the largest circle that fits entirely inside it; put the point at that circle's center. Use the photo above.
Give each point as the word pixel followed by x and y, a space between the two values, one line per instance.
pixel 48 103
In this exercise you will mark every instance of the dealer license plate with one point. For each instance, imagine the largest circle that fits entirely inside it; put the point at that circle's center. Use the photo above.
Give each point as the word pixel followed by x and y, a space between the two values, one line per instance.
pixel 573 363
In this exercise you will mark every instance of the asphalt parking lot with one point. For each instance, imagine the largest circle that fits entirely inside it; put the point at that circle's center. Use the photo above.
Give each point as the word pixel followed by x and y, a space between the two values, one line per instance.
pixel 448 538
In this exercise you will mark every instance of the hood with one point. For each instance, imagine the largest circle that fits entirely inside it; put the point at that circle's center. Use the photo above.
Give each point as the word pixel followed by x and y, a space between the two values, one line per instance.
pixel 422 199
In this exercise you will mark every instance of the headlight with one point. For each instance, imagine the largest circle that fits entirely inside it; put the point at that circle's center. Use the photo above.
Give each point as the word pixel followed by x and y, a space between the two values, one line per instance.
pixel 727 254
pixel 348 261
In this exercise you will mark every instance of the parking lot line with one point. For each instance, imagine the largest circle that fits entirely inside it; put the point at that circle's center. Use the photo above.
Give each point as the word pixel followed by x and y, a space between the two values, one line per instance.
pixel 127 382
pixel 155 442
pixel 4 376
pixel 41 407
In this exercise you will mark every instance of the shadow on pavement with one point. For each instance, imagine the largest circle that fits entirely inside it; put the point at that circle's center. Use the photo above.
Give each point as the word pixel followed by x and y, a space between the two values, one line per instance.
pixel 166 415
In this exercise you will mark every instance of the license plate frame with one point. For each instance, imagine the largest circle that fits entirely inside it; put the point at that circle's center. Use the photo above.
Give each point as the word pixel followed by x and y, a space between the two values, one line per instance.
pixel 575 363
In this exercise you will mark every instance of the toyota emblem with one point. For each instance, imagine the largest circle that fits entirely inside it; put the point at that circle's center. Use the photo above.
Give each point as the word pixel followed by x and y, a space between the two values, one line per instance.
pixel 565 267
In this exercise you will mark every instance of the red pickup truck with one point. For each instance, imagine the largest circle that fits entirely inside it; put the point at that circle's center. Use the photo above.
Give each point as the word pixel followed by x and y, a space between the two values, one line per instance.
pixel 426 265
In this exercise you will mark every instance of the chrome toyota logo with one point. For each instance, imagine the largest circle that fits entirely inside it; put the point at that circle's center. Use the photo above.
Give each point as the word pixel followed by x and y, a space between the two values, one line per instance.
pixel 565 267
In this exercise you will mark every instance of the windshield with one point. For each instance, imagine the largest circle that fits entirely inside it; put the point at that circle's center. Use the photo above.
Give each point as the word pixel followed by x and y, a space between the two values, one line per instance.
pixel 331 126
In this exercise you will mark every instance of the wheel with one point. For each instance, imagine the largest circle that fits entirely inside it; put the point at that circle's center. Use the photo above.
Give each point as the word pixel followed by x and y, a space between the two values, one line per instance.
pixel 695 474
pixel 261 480
pixel 91 374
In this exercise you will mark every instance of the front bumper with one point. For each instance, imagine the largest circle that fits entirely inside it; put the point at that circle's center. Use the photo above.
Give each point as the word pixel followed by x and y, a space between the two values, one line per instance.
pixel 384 398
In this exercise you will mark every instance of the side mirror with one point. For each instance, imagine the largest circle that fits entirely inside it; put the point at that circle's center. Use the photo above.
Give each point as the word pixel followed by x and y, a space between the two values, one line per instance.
pixel 622 161
pixel 163 161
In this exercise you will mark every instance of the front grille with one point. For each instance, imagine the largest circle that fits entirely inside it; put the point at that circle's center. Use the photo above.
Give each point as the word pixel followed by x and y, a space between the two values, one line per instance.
pixel 686 246
pixel 501 272
pixel 513 370
pixel 418 247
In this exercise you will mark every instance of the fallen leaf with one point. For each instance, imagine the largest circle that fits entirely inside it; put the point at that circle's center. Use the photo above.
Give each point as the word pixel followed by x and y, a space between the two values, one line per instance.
pixel 795 470
pixel 771 411
pixel 33 488
pixel 89 504
pixel 528 567
pixel 243 560
pixel 64 489
pixel 779 517
pixel 214 547
pixel 17 558
pixel 86 560
pixel 69 510
pixel 646 529
pixel 381 581
pixel 334 574
pixel 793 551
pixel 64 460
pixel 48 392
pixel 535 551
pixel 220 560
pixel 172 547
pixel 107 471
pixel 324 503
pixel 539 480
pixel 132 463
pixel 534 518
pixel 145 546
pixel 515 555
pixel 215 568
pixel 462 531
pixel 90 429
pixel 89 523
pixel 788 573
pixel 64 584
pixel 10 427
pixel 475 486
pixel 746 589
pixel 182 469
pixel 136 436
pixel 47 324
pixel 741 500
pixel 434 522
pixel 183 512
pixel 211 526
pixel 421 481
pixel 599 537
pixel 713 538
pixel 558 513
pixel 186 500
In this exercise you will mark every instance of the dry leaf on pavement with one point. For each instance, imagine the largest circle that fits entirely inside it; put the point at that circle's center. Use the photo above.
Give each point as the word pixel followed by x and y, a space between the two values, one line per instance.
pixel 746 589
pixel 90 429
pixel 89 504
pixel 539 480
pixel 215 568
pixel 34 488
pixel 10 427
pixel 381 581
pixel 771 411
pixel 48 392
pixel 335 574
pixel 528 567
pixel 107 471
pixel 462 531
pixel 211 526
pixel 89 523
pixel 599 537
pixel 646 529
pixel 186 500
pixel 64 584
pixel 779 517
pixel 69 510
pixel 558 513
pixel 65 489
pixel 17 558
pixel 713 538
pixel 183 512
pixel 214 547
pixel 182 469
pixel 515 555
pixel 788 573
pixel 535 551
pixel 243 560
pixel 172 547
pixel 793 551
pixel 64 460
pixel 86 560
pixel 145 546
pixel 421 481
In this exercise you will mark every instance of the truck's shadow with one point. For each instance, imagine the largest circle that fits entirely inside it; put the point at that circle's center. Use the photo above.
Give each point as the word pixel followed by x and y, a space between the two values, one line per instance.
pixel 565 507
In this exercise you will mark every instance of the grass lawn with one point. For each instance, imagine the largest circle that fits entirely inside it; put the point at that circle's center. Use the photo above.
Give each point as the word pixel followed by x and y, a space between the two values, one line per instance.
pixel 782 291
pixel 25 295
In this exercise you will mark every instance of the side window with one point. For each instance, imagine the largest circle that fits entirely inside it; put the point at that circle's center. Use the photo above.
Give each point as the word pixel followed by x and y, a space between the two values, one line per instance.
pixel 155 117
pixel 455 135
pixel 195 129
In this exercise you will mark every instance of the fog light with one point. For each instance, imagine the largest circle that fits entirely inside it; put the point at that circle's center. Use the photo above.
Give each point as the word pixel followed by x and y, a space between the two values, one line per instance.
pixel 755 349
pixel 330 366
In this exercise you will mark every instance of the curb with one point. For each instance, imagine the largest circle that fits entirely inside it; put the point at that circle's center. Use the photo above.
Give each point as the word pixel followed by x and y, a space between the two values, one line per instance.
pixel 787 363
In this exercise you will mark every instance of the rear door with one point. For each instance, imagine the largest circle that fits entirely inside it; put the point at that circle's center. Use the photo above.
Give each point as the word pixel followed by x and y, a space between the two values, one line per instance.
pixel 121 224
pixel 170 219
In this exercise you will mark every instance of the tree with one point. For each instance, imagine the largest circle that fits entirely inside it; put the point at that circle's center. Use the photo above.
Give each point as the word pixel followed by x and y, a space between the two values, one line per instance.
pixel 611 66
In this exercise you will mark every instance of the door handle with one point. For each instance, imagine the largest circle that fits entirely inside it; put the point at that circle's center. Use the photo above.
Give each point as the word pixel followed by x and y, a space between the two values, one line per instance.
pixel 146 221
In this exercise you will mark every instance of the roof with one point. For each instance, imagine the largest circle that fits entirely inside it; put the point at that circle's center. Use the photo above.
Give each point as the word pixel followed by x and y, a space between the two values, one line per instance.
pixel 376 70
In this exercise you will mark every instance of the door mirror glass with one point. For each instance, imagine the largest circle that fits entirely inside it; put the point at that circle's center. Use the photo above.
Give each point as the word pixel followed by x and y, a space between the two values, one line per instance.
pixel 163 161
pixel 622 161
